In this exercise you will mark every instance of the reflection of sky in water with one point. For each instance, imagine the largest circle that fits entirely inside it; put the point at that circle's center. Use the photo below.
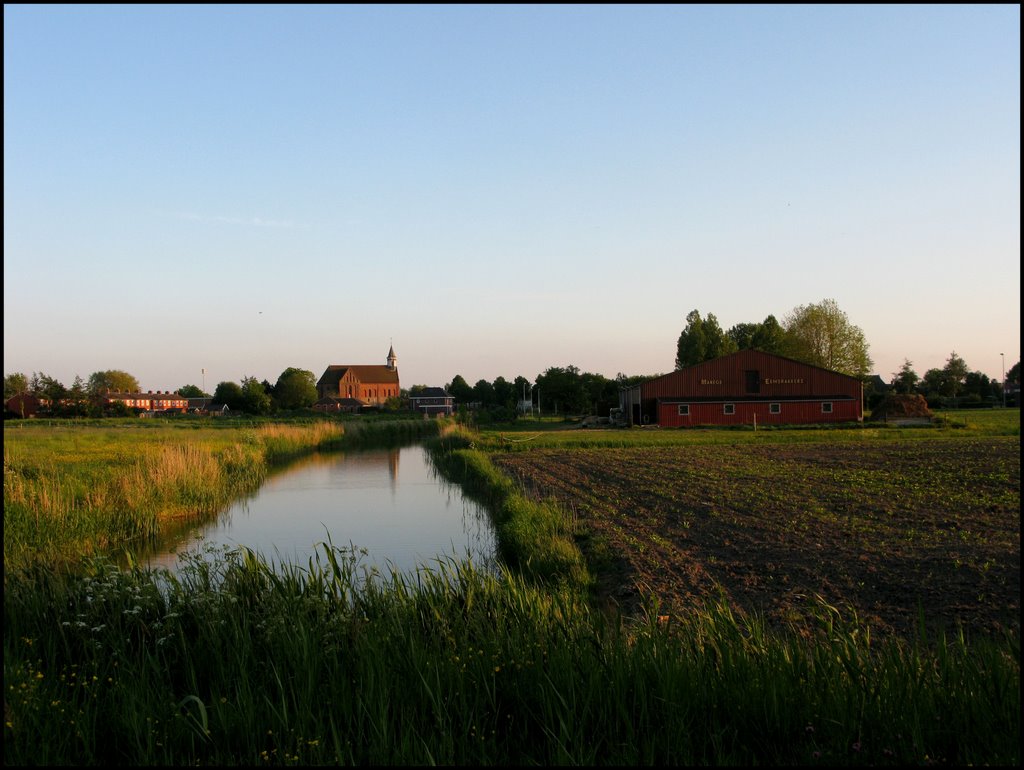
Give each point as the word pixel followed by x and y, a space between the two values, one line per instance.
pixel 389 502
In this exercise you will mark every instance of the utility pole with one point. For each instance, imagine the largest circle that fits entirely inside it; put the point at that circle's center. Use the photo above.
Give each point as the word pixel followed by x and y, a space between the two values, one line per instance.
pixel 1002 357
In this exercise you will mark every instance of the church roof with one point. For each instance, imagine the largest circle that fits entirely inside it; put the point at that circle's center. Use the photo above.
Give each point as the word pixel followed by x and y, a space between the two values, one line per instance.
pixel 366 373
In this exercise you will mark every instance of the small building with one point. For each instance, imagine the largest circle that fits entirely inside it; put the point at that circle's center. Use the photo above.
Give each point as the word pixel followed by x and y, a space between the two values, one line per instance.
pixel 23 405
pixel 150 401
pixel 433 402
pixel 345 405
pixel 750 387
pixel 369 384
pixel 199 405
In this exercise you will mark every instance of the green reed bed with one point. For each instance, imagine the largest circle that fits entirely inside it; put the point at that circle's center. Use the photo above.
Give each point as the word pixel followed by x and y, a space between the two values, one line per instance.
pixel 534 537
pixel 72 489
pixel 237 662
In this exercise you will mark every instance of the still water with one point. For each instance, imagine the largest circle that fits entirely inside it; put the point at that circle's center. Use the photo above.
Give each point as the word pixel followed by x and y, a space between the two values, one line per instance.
pixel 390 502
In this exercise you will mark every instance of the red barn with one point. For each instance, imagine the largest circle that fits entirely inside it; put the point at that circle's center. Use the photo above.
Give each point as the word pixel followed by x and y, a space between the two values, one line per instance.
pixel 745 388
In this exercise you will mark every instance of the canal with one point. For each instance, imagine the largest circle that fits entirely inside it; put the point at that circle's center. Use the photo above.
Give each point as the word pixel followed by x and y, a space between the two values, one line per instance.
pixel 391 504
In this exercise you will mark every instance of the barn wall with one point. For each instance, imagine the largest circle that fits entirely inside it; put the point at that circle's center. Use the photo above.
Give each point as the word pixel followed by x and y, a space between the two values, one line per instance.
pixel 750 380
pixel 746 413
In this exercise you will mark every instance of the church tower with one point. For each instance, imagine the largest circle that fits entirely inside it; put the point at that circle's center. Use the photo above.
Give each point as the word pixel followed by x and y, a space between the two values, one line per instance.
pixel 392 359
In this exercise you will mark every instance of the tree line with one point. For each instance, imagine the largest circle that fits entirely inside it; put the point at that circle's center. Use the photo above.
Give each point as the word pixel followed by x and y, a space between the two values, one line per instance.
pixel 952 385
pixel 295 389
pixel 820 334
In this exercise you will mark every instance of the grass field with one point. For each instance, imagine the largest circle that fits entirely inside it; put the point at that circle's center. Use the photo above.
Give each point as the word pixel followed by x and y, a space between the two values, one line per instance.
pixel 239 663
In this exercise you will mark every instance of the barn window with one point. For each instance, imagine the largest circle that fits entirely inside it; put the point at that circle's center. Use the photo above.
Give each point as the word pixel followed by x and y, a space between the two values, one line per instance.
pixel 684 410
pixel 729 409
pixel 775 408
pixel 826 407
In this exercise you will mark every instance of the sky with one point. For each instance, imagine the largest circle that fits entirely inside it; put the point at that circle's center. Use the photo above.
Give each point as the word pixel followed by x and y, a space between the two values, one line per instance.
pixel 196 194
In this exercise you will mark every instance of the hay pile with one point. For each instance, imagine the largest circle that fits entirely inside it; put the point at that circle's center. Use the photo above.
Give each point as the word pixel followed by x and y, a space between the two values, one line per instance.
pixel 899 406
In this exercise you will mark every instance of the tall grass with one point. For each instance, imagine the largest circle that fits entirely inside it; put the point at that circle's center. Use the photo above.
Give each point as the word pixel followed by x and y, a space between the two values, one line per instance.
pixel 74 490
pixel 534 537
pixel 235 662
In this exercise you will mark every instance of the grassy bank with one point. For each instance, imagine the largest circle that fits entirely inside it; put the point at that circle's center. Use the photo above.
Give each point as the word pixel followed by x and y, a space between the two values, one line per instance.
pixel 534 538
pixel 73 489
pixel 237 664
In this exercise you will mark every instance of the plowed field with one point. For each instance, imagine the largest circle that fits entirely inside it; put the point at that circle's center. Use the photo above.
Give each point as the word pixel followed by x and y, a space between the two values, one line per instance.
pixel 889 529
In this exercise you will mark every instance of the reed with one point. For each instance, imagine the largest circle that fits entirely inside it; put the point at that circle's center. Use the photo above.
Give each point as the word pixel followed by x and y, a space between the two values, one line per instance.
pixel 534 537
pixel 237 662
pixel 72 490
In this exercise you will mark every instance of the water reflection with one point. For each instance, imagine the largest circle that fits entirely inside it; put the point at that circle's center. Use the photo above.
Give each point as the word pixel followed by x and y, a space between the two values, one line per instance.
pixel 403 520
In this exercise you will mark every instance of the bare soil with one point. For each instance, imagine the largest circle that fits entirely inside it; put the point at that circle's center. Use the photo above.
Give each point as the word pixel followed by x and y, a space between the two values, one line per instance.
pixel 891 531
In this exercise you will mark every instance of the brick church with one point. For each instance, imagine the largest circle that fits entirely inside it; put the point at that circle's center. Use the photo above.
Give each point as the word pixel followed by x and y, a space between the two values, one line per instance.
pixel 350 387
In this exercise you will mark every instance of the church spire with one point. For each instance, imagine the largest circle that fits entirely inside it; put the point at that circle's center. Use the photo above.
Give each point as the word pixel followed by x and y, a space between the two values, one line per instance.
pixel 392 358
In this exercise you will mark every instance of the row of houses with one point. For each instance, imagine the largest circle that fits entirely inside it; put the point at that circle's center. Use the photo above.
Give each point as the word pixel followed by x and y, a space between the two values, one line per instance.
pixel 146 404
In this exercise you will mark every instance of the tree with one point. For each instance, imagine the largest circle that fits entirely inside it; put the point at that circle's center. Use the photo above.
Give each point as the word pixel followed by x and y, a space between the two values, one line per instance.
pixel 229 393
pixel 769 336
pixel 48 388
pixel 192 391
pixel 522 395
pixel 483 392
pixel 119 409
pixel 295 389
pixel 955 372
pixel 690 346
pixel 76 400
pixel 717 342
pixel 766 336
pixel 562 390
pixel 822 335
pixel 742 334
pixel 632 380
pixel 934 382
pixel 702 340
pixel 504 393
pixel 14 385
pixel 601 393
pixel 978 387
pixel 112 380
pixel 254 396
pixel 906 379
pixel 460 390
pixel 78 392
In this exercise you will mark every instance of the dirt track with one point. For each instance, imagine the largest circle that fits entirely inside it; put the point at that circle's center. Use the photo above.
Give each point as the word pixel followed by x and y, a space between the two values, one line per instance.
pixel 881 528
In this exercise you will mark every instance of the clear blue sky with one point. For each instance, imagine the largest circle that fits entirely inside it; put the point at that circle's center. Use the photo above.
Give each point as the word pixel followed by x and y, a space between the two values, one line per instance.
pixel 496 190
